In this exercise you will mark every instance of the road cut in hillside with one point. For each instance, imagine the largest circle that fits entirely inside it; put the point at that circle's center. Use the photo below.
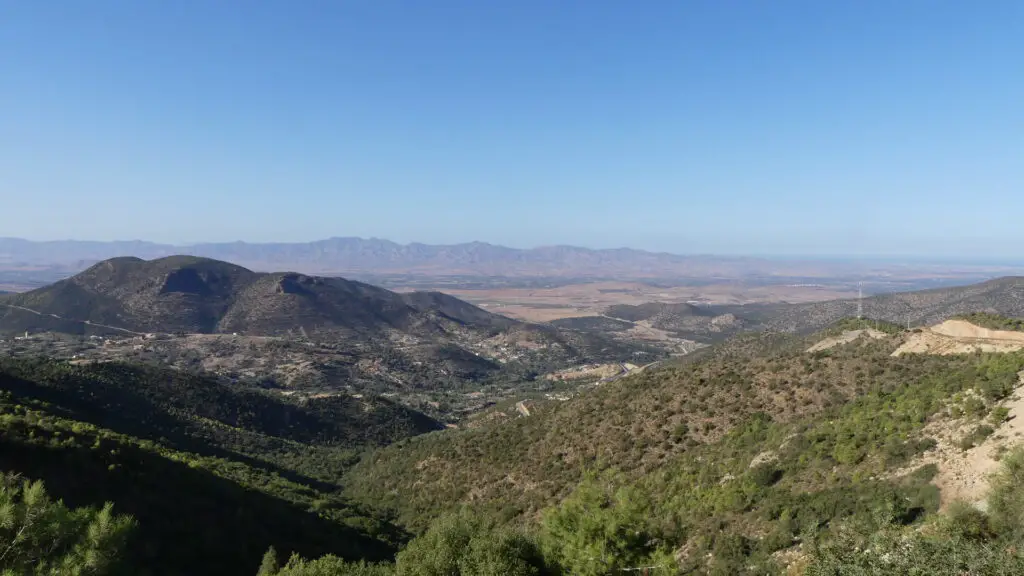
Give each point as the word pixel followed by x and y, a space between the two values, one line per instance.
pixel 960 337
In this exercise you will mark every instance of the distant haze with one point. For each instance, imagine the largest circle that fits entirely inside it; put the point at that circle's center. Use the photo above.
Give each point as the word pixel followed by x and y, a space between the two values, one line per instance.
pixel 358 256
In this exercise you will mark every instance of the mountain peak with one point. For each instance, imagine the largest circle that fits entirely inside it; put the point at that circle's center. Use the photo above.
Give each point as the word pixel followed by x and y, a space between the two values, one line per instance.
pixel 192 294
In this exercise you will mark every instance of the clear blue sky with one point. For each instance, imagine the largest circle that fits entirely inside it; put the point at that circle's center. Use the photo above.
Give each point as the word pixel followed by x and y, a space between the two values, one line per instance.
pixel 788 127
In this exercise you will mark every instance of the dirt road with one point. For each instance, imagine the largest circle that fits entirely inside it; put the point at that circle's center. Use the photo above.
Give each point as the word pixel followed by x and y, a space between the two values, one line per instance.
pixel 38 313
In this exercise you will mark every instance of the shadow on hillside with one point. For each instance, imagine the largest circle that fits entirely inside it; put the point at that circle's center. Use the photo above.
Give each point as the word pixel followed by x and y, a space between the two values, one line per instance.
pixel 134 415
pixel 190 521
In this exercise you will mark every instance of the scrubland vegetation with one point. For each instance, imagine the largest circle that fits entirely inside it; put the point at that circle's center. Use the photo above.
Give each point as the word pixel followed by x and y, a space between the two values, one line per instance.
pixel 752 457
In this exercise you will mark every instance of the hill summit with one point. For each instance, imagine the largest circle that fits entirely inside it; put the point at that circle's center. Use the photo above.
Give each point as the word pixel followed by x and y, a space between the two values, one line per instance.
pixel 200 295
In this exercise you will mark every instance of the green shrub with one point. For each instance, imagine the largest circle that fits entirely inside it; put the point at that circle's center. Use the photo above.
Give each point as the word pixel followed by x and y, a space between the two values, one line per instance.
pixel 976 436
pixel 602 528
pixel 41 537
pixel 766 474
pixel 1006 496
pixel 502 554
pixel 329 566
pixel 999 415
pixel 973 406
pixel 466 545
pixel 963 520
pixel 925 473
pixel 964 541
pixel 457 545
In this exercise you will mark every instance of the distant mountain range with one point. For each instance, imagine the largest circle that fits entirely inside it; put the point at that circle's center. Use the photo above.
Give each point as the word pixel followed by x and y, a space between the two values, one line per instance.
pixel 355 256
pixel 346 255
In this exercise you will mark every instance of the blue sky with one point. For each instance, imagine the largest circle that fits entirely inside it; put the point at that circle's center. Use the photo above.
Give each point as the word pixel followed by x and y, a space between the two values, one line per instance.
pixel 723 126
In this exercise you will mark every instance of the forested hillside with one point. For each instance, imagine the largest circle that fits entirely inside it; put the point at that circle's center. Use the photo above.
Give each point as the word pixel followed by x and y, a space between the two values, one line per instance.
pixel 213 474
pixel 736 455
pixel 747 457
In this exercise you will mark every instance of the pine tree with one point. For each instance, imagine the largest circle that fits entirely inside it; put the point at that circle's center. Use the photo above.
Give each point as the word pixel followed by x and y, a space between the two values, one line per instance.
pixel 269 566
pixel 41 537
pixel 603 529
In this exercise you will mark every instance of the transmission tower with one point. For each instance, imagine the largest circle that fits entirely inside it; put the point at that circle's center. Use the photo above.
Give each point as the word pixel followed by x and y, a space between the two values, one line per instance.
pixel 860 300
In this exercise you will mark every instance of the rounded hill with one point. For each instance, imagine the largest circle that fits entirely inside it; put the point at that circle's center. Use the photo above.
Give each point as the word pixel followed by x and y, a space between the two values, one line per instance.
pixel 188 294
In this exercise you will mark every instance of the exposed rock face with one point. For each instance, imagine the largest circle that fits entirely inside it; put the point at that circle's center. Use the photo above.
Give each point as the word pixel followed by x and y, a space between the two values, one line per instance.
pixel 185 281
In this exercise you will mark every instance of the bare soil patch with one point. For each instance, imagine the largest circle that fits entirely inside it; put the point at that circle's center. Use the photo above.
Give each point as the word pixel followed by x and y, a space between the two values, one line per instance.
pixel 960 337
pixel 964 474
pixel 586 372
pixel 846 338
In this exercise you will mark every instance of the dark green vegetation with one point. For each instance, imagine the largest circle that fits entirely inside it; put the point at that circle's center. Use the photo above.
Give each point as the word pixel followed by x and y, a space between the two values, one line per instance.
pixel 847 324
pixel 197 414
pixel 993 321
pixel 594 323
pixel 598 530
pixel 213 475
pixel 701 323
pixel 40 536
pixel 655 310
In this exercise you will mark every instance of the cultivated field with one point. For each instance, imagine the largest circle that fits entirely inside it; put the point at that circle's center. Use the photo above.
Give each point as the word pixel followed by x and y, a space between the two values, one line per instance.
pixel 592 298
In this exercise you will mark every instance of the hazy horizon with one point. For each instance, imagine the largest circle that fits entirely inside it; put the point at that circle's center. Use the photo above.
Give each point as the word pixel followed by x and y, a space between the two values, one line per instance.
pixel 847 258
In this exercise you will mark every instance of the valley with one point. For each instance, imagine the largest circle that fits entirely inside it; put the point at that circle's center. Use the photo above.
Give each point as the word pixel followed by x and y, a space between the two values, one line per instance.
pixel 359 424
pixel 299 334
pixel 511 289
pixel 545 304
pixel 448 385
pixel 307 336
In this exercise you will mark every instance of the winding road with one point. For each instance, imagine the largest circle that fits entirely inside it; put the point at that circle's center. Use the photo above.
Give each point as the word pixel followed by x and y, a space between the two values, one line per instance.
pixel 90 323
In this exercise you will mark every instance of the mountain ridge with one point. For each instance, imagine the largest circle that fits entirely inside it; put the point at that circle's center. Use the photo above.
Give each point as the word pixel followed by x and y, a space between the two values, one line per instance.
pixel 712 323
pixel 338 255
pixel 1003 296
